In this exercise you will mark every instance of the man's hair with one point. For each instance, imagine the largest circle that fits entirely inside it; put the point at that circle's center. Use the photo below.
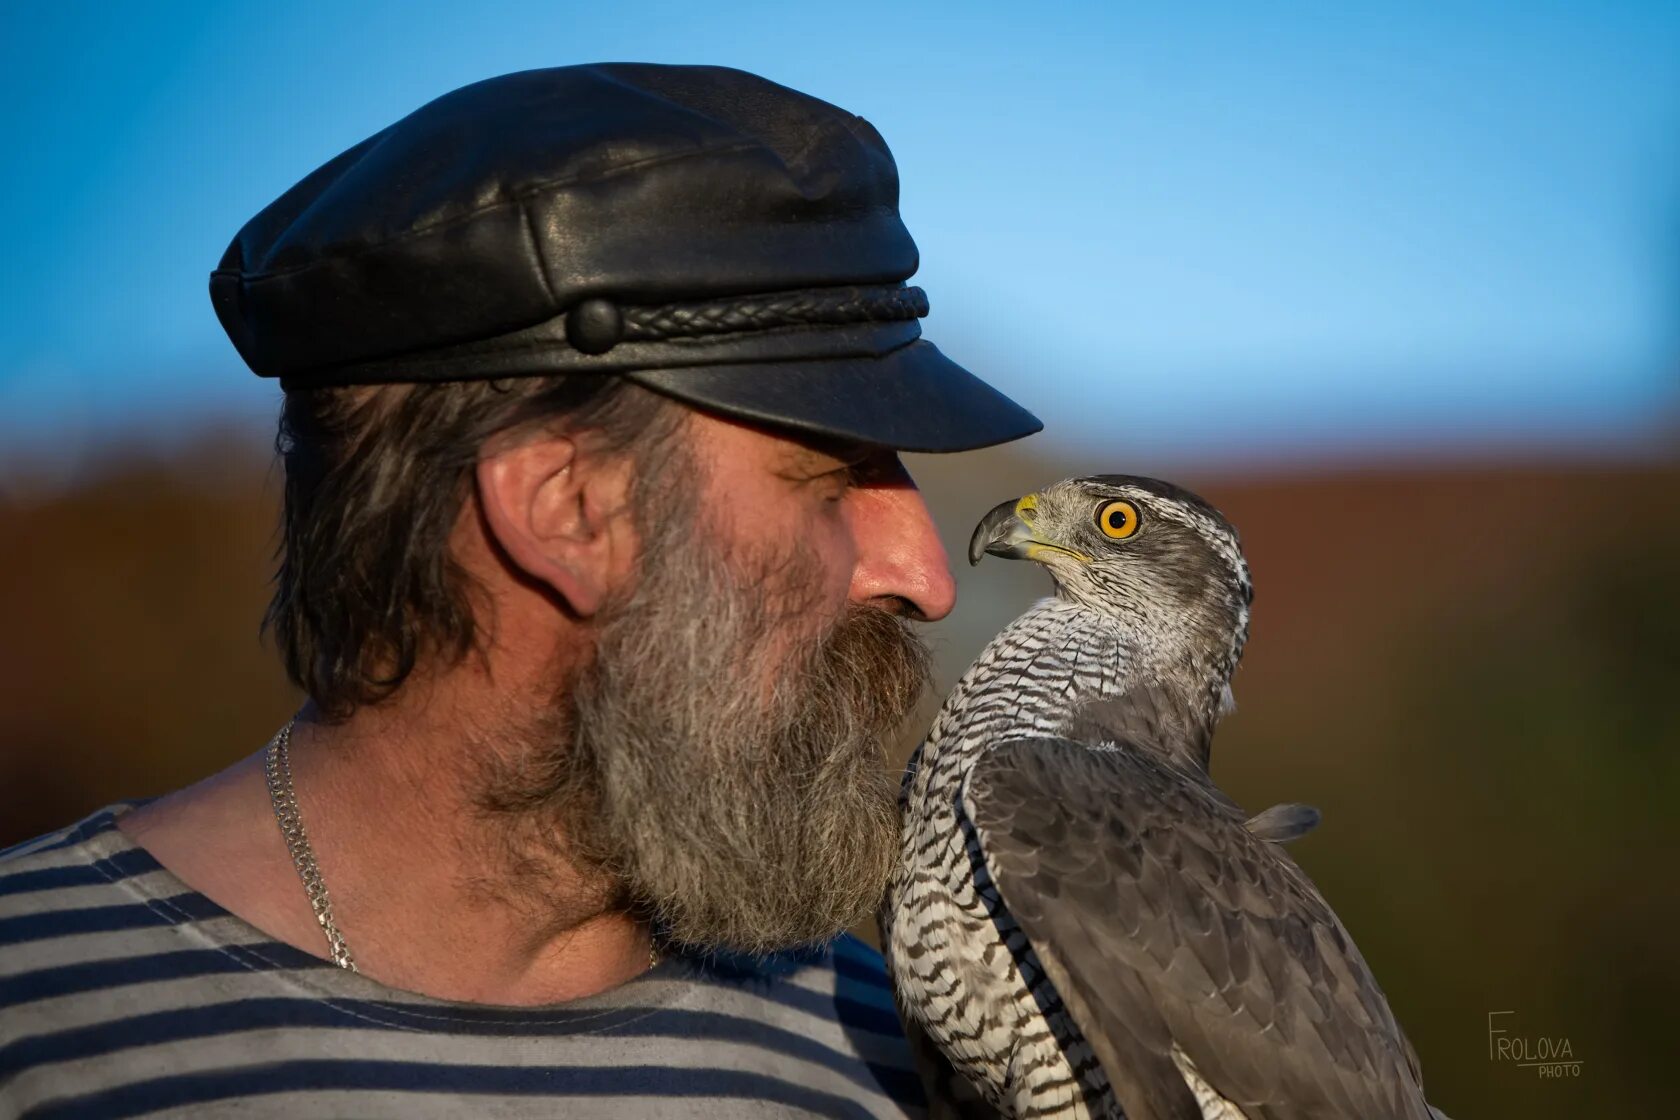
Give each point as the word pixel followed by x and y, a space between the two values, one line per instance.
pixel 376 479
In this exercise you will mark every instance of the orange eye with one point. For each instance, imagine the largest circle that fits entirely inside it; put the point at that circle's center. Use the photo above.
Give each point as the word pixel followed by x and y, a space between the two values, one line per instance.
pixel 1118 520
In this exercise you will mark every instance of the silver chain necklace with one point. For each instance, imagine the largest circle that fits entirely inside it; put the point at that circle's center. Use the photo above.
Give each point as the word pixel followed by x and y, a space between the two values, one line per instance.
pixel 277 765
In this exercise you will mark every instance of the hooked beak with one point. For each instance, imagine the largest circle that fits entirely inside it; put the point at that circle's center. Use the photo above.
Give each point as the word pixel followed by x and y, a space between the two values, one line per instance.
pixel 1007 531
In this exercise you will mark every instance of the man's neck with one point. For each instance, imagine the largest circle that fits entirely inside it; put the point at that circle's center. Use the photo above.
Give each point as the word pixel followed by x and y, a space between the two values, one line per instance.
pixel 424 883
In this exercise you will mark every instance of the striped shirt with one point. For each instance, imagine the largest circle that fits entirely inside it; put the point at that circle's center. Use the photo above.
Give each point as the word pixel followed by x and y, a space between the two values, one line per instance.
pixel 123 992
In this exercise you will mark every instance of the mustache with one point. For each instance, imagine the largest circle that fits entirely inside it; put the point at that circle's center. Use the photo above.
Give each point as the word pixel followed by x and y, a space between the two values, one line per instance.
pixel 878 662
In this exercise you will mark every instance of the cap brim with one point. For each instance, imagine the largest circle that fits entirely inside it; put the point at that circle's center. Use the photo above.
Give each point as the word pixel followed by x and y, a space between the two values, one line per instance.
pixel 910 399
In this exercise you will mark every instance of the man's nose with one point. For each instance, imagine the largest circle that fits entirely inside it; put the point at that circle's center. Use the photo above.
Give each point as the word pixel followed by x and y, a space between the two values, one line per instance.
pixel 899 554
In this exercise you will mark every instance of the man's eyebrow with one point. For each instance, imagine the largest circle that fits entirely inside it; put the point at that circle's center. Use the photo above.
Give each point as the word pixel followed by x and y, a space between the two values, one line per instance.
pixel 827 457
pixel 801 460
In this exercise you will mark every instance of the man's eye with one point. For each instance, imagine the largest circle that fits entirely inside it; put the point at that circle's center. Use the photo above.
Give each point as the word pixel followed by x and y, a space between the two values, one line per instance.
pixel 835 484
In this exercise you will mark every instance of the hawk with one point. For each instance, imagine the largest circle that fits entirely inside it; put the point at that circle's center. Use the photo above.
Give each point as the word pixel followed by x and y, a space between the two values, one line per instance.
pixel 1082 924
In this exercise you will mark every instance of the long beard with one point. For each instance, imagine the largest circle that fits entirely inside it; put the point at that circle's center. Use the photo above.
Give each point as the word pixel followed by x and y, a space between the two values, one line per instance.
pixel 721 766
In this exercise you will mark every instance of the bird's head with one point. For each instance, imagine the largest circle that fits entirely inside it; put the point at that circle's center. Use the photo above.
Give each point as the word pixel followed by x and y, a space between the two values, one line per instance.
pixel 1159 561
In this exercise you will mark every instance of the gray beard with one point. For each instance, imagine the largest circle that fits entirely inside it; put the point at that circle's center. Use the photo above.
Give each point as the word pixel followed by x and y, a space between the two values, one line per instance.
pixel 720 766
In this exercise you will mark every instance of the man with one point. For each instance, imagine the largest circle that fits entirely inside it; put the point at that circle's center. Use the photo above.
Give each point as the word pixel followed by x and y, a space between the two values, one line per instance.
pixel 599 570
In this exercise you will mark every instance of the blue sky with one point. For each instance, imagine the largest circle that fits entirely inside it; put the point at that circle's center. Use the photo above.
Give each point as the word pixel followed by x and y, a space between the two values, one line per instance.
pixel 1195 230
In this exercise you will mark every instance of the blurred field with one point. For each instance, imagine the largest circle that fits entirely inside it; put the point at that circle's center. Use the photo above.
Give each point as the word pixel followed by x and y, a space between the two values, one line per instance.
pixel 1470 670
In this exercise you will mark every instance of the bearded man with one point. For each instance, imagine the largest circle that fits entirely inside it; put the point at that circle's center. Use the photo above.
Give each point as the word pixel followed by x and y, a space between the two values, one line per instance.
pixel 599 570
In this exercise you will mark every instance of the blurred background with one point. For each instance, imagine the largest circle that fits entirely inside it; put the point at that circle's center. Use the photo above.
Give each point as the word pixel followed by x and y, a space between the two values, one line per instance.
pixel 1395 285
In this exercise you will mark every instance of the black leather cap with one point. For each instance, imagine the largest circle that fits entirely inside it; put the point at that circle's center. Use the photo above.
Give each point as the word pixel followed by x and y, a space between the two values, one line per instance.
pixel 709 234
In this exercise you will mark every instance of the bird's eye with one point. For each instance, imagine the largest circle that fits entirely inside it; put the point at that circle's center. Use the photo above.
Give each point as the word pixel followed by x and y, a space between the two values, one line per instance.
pixel 1118 520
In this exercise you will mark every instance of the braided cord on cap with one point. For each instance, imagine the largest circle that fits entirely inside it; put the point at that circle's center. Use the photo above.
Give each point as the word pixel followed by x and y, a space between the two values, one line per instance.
pixel 802 307
pixel 596 325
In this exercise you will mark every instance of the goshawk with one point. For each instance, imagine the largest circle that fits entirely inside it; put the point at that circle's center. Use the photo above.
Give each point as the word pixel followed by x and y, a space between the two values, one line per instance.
pixel 1082 924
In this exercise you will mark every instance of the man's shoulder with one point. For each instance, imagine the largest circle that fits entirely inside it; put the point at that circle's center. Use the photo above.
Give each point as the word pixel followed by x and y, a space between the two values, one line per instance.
pixel 68 881
pixel 56 856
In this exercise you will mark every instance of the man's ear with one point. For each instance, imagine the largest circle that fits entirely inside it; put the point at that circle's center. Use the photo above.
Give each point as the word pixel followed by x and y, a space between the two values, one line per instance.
pixel 558 514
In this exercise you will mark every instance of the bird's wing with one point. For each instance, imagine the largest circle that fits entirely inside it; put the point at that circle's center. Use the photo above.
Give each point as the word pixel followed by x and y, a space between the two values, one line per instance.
pixel 1165 926
pixel 1282 823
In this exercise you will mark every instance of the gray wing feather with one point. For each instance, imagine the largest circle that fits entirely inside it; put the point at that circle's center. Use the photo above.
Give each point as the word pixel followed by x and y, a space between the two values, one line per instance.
pixel 1282 823
pixel 1163 921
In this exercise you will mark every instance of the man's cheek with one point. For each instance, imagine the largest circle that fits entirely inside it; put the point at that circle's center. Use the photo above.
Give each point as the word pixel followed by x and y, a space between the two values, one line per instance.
pixel 839 556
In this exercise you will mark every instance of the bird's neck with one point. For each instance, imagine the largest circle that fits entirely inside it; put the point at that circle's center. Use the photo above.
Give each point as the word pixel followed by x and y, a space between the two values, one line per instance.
pixel 1068 671
pixel 1028 681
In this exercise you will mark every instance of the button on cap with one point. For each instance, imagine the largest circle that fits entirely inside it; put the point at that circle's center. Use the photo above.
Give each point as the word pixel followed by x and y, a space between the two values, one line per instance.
pixel 594 326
